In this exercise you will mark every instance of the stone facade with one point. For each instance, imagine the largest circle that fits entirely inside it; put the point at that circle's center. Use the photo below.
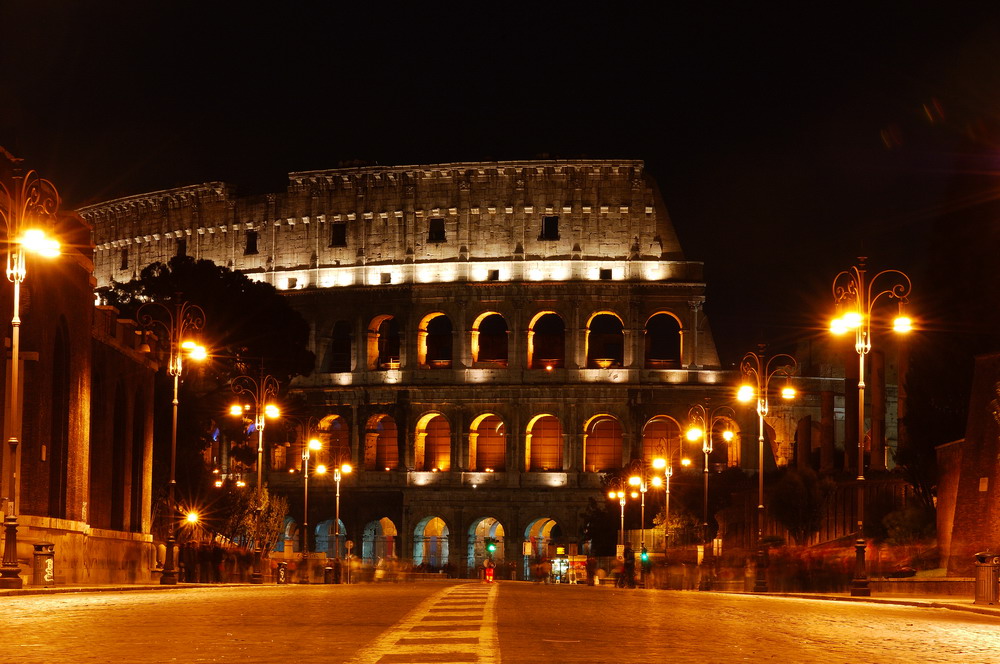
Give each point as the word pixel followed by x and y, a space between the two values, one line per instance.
pixel 489 338
pixel 84 459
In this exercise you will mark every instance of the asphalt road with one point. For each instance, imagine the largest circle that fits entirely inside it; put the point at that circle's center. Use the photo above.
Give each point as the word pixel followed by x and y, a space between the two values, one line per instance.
pixel 435 622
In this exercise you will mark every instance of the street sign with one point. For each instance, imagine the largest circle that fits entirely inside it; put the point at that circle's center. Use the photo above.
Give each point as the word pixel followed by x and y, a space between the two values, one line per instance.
pixel 620 551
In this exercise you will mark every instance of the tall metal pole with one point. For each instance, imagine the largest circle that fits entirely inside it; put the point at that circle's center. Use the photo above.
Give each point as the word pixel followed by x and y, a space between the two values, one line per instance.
pixel 184 318
pixel 850 287
pixel 758 368
pixel 28 196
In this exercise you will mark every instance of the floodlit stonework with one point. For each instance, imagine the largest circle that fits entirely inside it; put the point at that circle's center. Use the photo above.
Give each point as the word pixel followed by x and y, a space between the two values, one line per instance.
pixel 489 337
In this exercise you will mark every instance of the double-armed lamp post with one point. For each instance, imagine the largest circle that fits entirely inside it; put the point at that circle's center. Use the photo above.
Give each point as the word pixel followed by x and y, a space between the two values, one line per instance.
pixel 855 298
pixel 258 390
pixel 758 369
pixel 703 424
pixel 26 202
pixel 178 324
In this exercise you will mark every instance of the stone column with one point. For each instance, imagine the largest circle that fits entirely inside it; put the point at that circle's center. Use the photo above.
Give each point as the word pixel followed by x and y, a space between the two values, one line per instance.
pixel 826 437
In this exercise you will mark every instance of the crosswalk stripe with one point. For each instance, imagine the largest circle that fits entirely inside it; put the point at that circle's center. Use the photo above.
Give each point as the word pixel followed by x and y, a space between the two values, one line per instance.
pixel 455 635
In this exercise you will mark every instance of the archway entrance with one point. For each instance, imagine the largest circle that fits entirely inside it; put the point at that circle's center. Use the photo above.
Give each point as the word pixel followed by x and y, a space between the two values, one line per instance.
pixel 430 544
pixel 484 534
pixel 378 542
pixel 543 536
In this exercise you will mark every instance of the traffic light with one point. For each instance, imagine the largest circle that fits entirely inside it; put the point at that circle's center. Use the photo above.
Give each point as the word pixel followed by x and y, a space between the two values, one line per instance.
pixel 491 548
pixel 644 556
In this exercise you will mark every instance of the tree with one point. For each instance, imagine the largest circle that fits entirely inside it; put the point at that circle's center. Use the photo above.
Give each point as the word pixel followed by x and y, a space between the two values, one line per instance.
pixel 254 517
pixel 797 501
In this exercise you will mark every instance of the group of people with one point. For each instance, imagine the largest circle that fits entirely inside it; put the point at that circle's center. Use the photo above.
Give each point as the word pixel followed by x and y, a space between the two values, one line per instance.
pixel 211 562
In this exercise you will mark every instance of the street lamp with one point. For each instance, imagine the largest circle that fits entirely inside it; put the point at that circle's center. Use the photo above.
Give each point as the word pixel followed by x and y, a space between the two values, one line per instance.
pixel 663 461
pixel 617 491
pixel 641 481
pixel 257 390
pixel 702 428
pixel 27 200
pixel 311 446
pixel 758 370
pixel 338 471
pixel 178 324
pixel 855 299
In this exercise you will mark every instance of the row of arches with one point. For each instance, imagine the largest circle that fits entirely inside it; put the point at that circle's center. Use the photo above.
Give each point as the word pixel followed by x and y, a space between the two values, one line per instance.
pixel 433 542
pixel 488 342
pixel 543 445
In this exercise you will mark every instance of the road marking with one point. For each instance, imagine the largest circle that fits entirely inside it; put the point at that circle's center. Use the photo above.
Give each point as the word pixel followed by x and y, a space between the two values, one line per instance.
pixel 457 625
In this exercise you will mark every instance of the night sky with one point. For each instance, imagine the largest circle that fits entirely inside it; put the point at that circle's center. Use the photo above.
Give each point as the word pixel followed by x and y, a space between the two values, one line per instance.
pixel 786 139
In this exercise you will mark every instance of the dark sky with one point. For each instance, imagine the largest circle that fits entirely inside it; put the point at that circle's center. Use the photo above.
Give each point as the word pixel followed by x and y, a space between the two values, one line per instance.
pixel 786 138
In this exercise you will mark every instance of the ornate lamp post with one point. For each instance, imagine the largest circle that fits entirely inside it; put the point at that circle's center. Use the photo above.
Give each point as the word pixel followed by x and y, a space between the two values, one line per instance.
pixel 177 324
pixel 663 461
pixel 702 428
pixel 312 445
pixel 855 298
pixel 758 370
pixel 338 471
pixel 257 390
pixel 617 491
pixel 26 200
pixel 641 481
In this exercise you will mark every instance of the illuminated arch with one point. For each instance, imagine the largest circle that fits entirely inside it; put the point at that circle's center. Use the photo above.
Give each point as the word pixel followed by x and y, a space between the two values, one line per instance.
pixel 339 352
pixel 334 435
pixel 430 543
pixel 432 443
pixel 605 341
pixel 663 437
pixel 663 341
pixel 383 343
pixel 434 341
pixel 543 443
pixel 489 338
pixel 542 536
pixel 378 541
pixel 487 443
pixel 603 445
pixel 482 530
pixel 546 341
pixel 381 443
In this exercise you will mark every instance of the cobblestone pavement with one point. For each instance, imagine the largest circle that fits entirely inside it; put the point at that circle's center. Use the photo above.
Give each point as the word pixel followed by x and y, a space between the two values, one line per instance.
pixel 512 622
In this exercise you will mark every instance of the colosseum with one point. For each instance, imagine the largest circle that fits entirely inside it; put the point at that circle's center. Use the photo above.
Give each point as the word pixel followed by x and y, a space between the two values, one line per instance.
pixel 490 338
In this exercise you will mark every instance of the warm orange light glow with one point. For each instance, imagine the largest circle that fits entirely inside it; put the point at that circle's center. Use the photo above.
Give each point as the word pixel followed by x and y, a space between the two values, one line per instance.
pixel 191 517
pixel 694 433
pixel 788 393
pixel 320 469
pixel 837 326
pixel 727 435
pixel 853 320
pixel 635 480
pixel 314 444
pixel 35 241
pixel 271 410
pixel 902 324
pixel 635 494
pixel 236 409
pixel 656 480
pixel 745 393
pixel 685 462
pixel 659 463
pixel 548 367
pixel 346 468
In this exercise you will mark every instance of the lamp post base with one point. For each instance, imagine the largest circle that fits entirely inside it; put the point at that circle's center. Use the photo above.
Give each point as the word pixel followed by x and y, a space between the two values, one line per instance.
pixel 10 572
pixel 169 575
pixel 859 584
pixel 760 582
pixel 257 576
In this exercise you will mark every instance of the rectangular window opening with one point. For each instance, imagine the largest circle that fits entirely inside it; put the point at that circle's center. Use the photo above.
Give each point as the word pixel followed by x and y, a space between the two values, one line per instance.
pixel 182 247
pixel 251 246
pixel 338 235
pixel 550 228
pixel 493 275
pixel 605 273
pixel 124 263
pixel 435 230
pixel 387 277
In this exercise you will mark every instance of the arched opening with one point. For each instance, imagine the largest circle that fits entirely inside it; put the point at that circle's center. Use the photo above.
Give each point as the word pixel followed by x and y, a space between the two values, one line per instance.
pixel 543 536
pixel 605 341
pixel 434 341
pixel 383 343
pixel 602 444
pixel 487 444
pixel 661 438
pixel 663 342
pixel 378 541
pixel 335 436
pixel 544 443
pixel 327 541
pixel 381 443
pixel 432 444
pixel 485 533
pixel 430 544
pixel 546 341
pixel 340 351
pixel 489 340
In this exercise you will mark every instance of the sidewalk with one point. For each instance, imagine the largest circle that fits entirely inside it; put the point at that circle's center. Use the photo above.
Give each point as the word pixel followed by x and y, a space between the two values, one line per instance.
pixel 71 588
pixel 941 602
